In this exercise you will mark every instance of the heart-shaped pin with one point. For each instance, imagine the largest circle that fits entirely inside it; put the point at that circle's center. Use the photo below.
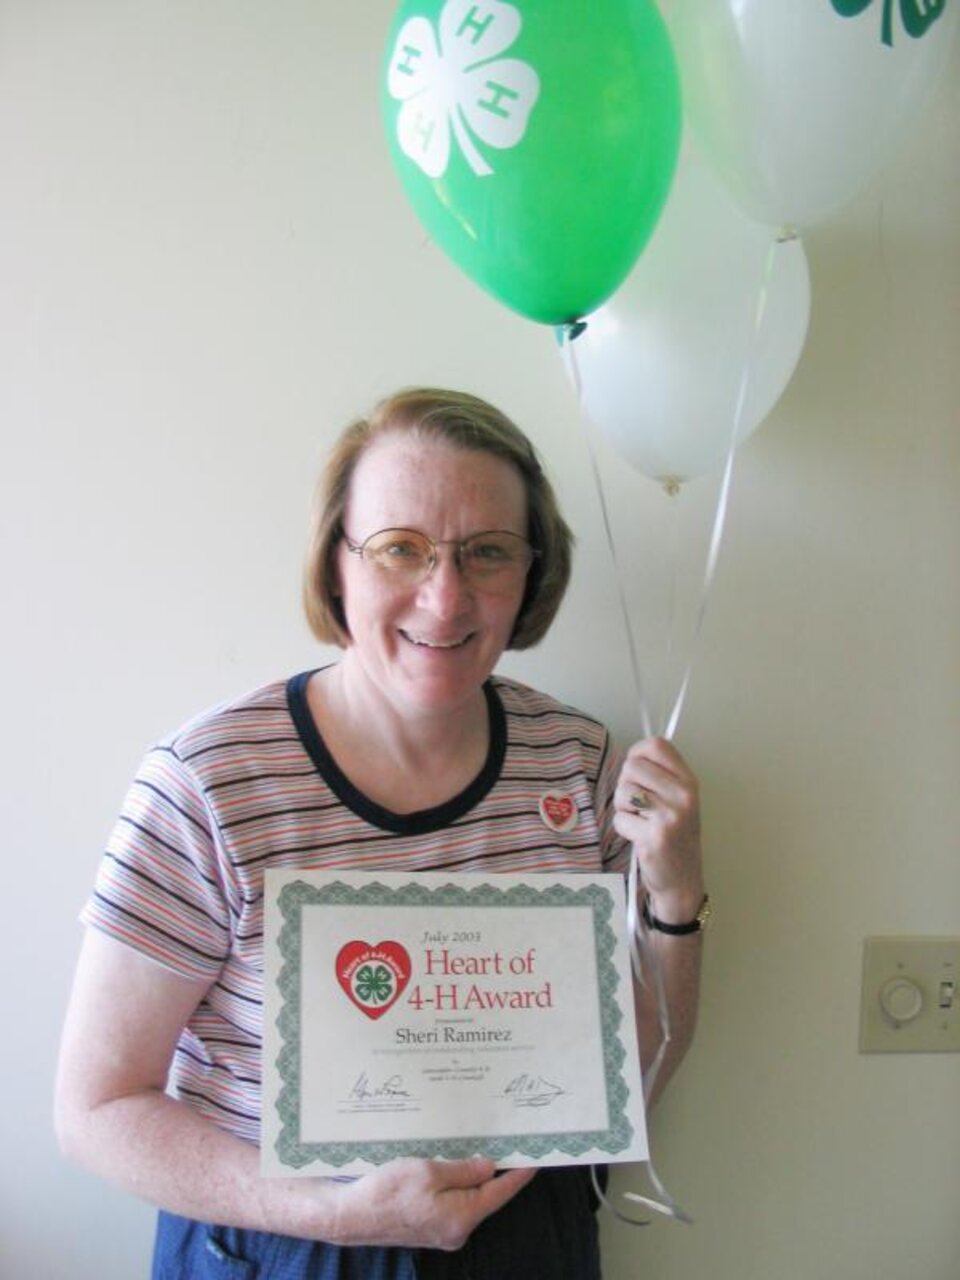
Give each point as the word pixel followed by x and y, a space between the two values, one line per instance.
pixel 373 975
pixel 559 811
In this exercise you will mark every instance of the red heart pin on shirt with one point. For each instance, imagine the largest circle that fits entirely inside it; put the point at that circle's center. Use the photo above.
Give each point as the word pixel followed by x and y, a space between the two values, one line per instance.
pixel 558 810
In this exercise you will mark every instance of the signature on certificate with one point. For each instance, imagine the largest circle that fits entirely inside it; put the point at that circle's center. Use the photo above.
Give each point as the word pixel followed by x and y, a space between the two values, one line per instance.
pixel 532 1091
pixel 364 1091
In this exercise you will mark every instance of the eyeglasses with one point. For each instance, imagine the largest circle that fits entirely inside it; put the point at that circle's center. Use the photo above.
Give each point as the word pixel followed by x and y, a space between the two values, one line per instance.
pixel 494 558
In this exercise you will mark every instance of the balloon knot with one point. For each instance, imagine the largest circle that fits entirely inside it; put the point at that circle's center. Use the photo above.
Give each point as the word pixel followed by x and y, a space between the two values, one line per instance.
pixel 571 330
pixel 785 234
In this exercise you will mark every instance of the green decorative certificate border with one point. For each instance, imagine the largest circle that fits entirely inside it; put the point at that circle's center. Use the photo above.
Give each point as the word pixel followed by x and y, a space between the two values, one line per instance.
pixel 296 1154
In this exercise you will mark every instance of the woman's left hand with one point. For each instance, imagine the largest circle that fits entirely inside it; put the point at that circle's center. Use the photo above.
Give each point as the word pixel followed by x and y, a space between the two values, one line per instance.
pixel 658 811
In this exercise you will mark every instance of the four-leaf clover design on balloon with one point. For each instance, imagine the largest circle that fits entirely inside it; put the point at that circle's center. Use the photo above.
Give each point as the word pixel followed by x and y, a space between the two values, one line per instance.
pixel 373 984
pixel 916 15
pixel 453 82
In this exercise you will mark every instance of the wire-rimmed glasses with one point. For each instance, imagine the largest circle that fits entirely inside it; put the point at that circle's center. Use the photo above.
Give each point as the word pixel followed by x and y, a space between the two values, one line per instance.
pixel 494 557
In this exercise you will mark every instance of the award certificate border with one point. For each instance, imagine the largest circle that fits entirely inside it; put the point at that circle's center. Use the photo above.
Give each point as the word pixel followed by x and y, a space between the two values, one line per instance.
pixel 295 895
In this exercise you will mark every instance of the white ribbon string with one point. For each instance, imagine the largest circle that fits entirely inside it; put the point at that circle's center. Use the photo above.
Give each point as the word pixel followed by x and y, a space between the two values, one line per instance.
pixel 666 1205
pixel 723 500
pixel 672 719
pixel 640 944
pixel 634 933
pixel 646 724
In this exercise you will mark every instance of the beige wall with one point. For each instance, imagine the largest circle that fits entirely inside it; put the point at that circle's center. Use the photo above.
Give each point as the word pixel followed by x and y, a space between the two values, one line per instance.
pixel 206 265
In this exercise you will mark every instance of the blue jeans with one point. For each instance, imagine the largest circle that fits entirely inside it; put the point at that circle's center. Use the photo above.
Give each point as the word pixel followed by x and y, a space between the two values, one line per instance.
pixel 547 1232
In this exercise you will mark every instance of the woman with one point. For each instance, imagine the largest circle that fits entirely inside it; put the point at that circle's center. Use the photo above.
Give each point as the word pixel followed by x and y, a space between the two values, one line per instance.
pixel 436 545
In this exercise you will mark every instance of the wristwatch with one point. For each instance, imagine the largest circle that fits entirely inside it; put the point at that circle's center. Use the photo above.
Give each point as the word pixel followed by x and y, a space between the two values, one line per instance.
pixel 696 925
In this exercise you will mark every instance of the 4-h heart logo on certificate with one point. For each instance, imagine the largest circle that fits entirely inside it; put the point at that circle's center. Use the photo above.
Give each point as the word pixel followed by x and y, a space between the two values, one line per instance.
pixel 373 976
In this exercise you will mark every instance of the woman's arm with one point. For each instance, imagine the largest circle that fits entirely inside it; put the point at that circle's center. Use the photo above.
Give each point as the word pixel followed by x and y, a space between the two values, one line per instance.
pixel 664 829
pixel 112 1115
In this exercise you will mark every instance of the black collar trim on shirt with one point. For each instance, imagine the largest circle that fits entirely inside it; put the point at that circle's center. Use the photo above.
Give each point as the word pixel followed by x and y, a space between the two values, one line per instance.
pixel 424 820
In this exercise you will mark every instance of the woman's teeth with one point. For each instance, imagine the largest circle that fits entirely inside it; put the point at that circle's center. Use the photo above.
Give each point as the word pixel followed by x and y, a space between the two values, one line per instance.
pixel 435 644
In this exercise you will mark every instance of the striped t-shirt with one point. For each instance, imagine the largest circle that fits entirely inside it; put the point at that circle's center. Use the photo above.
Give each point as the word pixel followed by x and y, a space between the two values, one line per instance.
pixel 250 784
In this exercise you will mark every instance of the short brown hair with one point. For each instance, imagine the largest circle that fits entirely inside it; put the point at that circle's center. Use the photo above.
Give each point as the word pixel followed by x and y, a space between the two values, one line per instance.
pixel 465 422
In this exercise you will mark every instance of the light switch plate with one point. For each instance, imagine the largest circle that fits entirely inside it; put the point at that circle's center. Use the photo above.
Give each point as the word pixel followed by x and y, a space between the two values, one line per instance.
pixel 910 1000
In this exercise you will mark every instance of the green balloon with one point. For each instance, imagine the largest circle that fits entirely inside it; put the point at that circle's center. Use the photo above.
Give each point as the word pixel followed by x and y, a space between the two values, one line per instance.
pixel 536 141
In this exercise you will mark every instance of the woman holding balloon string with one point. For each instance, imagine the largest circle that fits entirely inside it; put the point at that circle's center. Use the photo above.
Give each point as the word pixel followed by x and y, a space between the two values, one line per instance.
pixel 437 544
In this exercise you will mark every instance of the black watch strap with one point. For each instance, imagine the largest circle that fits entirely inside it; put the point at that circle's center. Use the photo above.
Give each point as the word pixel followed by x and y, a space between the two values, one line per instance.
pixel 696 925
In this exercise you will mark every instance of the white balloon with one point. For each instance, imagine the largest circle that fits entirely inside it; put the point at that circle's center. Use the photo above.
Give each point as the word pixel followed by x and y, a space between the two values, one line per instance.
pixel 661 364
pixel 797 103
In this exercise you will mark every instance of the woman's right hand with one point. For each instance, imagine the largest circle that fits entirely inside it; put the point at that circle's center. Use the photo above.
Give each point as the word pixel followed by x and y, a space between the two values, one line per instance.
pixel 429 1204
pixel 114 1116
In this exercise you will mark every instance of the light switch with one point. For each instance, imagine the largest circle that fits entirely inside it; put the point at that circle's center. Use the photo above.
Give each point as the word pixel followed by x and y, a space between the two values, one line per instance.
pixel 909 1001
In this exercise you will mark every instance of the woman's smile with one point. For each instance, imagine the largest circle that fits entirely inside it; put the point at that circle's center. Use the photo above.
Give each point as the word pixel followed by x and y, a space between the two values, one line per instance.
pixel 426 642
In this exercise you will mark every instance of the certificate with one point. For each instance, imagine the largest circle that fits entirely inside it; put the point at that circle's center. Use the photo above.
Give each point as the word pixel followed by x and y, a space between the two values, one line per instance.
pixel 445 1016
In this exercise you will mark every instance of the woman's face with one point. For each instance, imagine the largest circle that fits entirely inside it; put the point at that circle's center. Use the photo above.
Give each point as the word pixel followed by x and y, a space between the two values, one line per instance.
pixel 427 647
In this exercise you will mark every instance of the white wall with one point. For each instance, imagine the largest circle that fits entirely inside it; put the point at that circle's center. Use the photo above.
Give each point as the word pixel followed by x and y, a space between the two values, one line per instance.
pixel 206 265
